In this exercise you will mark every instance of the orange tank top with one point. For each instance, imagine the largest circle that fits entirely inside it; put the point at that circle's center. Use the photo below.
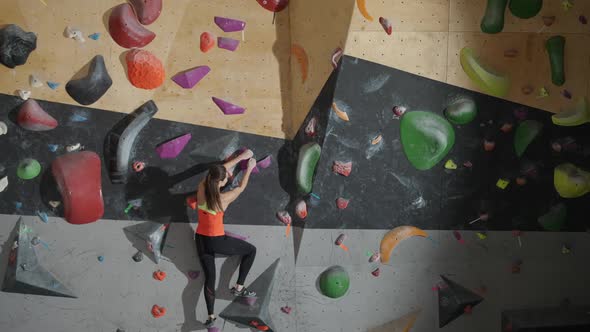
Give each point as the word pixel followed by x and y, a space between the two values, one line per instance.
pixel 210 222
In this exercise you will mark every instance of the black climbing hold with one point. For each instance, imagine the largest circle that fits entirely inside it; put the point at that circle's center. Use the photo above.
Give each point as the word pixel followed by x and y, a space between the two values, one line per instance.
pixel 16 45
pixel 90 88
pixel 138 257
pixel 453 300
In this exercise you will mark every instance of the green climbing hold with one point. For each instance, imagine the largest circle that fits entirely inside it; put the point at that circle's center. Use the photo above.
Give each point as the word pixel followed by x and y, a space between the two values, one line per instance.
pixel 554 219
pixel 525 8
pixel 493 19
pixel 571 181
pixel 576 116
pixel 488 82
pixel 556 49
pixel 426 138
pixel 309 155
pixel 28 169
pixel 334 282
pixel 461 111
pixel 525 133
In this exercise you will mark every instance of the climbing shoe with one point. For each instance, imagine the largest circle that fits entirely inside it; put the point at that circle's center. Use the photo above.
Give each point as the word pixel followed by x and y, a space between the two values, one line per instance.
pixel 243 293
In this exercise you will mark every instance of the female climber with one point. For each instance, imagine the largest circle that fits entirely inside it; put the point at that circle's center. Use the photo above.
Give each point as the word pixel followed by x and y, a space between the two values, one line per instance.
pixel 210 235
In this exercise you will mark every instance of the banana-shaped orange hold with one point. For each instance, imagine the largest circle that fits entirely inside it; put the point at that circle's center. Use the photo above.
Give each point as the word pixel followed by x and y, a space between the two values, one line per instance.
pixel 303 60
pixel 341 114
pixel 395 236
pixel 363 9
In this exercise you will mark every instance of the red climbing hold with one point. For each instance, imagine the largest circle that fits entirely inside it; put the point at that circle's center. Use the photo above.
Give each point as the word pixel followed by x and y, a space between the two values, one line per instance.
pixel 145 70
pixel 286 309
pixel 158 311
pixel 159 275
pixel 32 117
pixel 310 128
pixel 376 272
pixel 342 168
pixel 301 209
pixel 506 127
pixel 342 203
pixel 147 10
pixel 273 5
pixel 489 145
pixel 207 42
pixel 126 30
pixel 386 24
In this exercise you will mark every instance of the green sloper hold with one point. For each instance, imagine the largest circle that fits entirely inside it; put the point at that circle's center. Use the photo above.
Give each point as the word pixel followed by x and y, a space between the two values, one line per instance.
pixel 525 8
pixel 334 282
pixel 426 137
pixel 461 111
pixel 487 81
pixel 556 50
pixel 571 181
pixel 28 169
pixel 309 155
pixel 525 134
pixel 554 219
pixel 576 116
pixel 493 19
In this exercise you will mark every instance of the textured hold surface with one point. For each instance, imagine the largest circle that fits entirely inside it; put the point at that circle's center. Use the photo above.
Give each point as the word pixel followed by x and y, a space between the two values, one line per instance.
pixel 461 111
pixel 94 85
pixel 28 169
pixel 25 274
pixel 147 10
pixel 229 44
pixel 571 181
pixel 525 8
pixel 554 219
pixel 172 148
pixel 487 81
pixel 144 69
pixel 207 42
pixel 394 237
pixel 32 117
pixel 78 178
pixel 556 50
pixel 575 116
pixel 228 108
pixel 229 24
pixel 189 78
pixel 525 133
pixel 126 30
pixel 334 282
pixel 309 155
pixel 493 19
pixel 453 300
pixel 16 45
pixel 273 5
pixel 426 138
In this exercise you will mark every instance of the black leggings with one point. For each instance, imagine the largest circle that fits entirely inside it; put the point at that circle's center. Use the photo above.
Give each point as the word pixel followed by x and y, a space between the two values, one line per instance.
pixel 208 246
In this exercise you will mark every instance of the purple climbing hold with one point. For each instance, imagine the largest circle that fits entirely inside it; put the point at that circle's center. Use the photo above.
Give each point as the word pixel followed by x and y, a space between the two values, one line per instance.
pixel 236 236
pixel 229 24
pixel 244 165
pixel 227 43
pixel 172 148
pixel 213 329
pixel 228 108
pixel 265 162
pixel 189 78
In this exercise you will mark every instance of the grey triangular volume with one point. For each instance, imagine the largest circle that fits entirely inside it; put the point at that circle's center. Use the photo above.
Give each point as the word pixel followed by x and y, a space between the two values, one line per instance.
pixel 452 301
pixel 24 274
pixel 254 314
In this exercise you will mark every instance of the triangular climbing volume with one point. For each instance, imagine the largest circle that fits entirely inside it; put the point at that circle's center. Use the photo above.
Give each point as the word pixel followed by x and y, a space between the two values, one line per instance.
pixel 254 312
pixel 24 274
pixel 454 300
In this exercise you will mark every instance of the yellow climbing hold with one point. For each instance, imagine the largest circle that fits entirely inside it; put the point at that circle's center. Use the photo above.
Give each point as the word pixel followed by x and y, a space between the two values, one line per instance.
pixel 450 164
pixel 576 116
pixel 502 183
pixel 566 5
pixel 341 114
pixel 571 181
pixel 543 92
pixel 488 82
pixel 481 236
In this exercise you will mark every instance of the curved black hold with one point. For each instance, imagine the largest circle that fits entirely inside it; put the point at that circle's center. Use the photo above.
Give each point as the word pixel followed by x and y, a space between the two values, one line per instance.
pixel 90 88
pixel 16 45
pixel 119 141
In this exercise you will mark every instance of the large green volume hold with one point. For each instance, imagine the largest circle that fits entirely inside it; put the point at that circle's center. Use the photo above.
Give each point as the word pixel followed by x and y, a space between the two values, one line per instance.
pixel 556 48
pixel 525 8
pixel 525 133
pixel 334 282
pixel 493 19
pixel 309 154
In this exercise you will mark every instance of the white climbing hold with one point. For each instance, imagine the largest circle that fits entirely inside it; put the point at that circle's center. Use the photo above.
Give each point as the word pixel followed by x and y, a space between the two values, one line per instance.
pixel 75 34
pixel 35 81
pixel 54 204
pixel 24 94
pixel 3 128
pixel 3 183
pixel 73 147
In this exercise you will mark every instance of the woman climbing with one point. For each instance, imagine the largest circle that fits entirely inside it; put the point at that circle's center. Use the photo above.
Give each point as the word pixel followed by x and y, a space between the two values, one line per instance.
pixel 210 235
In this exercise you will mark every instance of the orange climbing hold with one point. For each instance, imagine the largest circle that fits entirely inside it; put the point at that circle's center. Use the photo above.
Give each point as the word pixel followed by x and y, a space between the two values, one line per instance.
pixel 341 114
pixel 158 311
pixel 144 70
pixel 362 5
pixel 303 60
pixel 207 42
pixel 159 275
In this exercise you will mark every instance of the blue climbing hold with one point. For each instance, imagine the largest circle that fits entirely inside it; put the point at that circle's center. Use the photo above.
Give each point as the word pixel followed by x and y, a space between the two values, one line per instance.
pixel 43 216
pixel 94 36
pixel 52 147
pixel 52 85
pixel 101 258
pixel 18 205
pixel 78 118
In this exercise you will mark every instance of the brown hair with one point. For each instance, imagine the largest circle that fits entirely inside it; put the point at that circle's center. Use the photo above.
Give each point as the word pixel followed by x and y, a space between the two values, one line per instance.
pixel 212 195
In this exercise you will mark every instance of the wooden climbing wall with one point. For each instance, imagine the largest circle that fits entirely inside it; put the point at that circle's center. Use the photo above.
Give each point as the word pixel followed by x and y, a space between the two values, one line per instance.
pixel 428 36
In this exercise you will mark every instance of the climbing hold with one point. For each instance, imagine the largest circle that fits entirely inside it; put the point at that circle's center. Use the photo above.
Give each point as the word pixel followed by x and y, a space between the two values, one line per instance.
pixel 172 148
pixel 74 147
pixel 75 34
pixel 273 5
pixel 525 133
pixel 35 241
pixel 100 258
pixel 229 44
pixel 35 81
pixel 16 45
pixel 147 10
pixel 126 30
pixel 194 274
pixel 229 24
pixel 394 237
pixel 582 19
pixel 340 239
pixel 571 181
pixel 525 8
pixel 362 6
pixel 334 282
pixel 89 89
pixel 502 183
pixel 310 128
pixel 488 82
pixel 342 168
pixel 52 147
pixel 32 117
pixel 468 164
pixel 94 36
pixel 159 275
pixel 18 205
pixel 43 216
pixel 565 249
pixel 78 118
pixel 376 272
pixel 52 85
pixel 458 237
pixel 493 19
pixel 137 257
pixel 309 155
pixel 567 5
pixel 228 108
pixel 303 60
pixel 189 78
pixel 386 24
pixel 575 116
pixel 511 53
pixel 264 162
pixel 24 94
pixel 555 48
pixel 527 89
pixel 28 169
pixel 506 127
pixel 450 164
pixel 342 203
pixel 284 217
pixel 138 166
pixel 336 55
pixel 207 42
pixel 554 219
pixel 3 183
pixel 375 257
pixel 398 111
pixel 548 20
pixel 301 209
pixel 461 111
pixel 286 309
pixel 481 236
pixel 566 94
pixel 488 145
pixel 144 69
pixel 341 114
pixel 521 180
pixel 454 300
pixel 543 92
pixel 426 138
pixel 520 113
pixel 54 204
pixel 158 311
pixel 376 140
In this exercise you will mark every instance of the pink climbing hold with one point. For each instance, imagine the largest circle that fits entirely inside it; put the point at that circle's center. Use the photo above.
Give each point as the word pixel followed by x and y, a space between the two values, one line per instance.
pixel 301 209
pixel 284 217
pixel 264 162
pixel 213 329
pixel 310 128
pixel 228 43
pixel 286 309
pixel 244 165
pixel 342 168
pixel 376 272
pixel 228 108
pixel 189 78
pixel 172 148
pixel 32 117
pixel 336 55
pixel 342 203
pixel 147 10
pixel 386 24
pixel 458 237
pixel 229 24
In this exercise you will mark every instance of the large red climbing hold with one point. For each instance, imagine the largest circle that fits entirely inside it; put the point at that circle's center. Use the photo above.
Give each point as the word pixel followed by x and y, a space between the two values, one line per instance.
pixel 144 69
pixel 207 42
pixel 274 5
pixel 342 168
pixel 126 30
pixel 147 10
pixel 78 180
pixel 32 117
pixel 342 203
